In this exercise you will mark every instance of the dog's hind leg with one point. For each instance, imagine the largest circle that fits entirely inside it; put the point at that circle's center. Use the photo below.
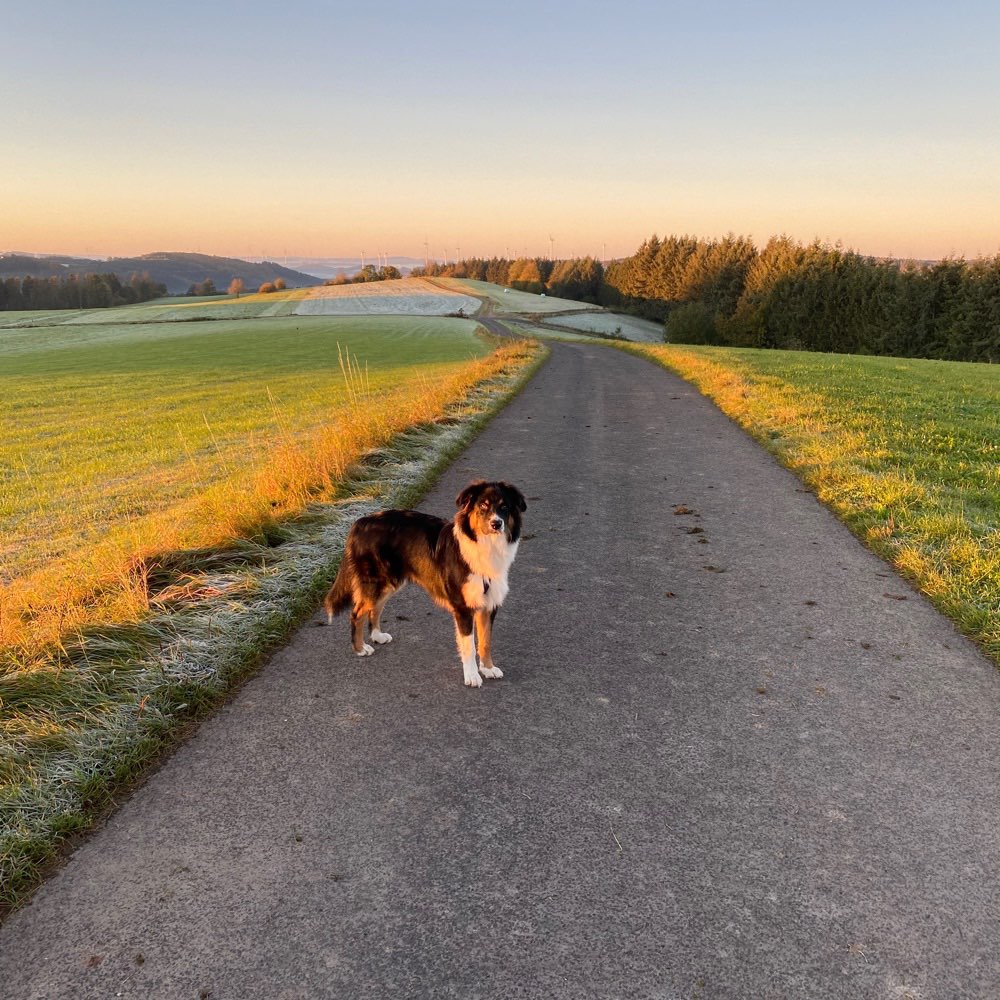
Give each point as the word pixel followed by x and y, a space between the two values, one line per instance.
pixel 484 641
pixel 374 619
pixel 466 648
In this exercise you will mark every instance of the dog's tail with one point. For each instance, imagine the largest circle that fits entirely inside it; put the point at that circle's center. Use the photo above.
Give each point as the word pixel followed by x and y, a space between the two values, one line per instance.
pixel 341 594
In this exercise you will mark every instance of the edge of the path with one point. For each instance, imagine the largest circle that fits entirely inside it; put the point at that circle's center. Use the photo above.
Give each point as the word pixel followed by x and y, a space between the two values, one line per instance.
pixel 852 519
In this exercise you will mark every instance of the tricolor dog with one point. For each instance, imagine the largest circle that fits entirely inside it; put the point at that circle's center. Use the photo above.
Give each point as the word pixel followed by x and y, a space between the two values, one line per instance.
pixel 462 564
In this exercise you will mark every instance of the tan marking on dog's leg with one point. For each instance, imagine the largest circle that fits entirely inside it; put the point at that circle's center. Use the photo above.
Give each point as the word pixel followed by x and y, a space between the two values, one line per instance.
pixel 377 635
pixel 484 641
pixel 361 648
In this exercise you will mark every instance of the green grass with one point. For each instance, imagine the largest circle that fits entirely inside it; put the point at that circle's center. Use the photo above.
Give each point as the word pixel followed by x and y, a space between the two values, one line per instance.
pixel 166 310
pixel 907 452
pixel 109 423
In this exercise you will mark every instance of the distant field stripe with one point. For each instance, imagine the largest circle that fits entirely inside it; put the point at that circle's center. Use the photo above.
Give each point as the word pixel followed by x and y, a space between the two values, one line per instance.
pixel 404 296
pixel 510 300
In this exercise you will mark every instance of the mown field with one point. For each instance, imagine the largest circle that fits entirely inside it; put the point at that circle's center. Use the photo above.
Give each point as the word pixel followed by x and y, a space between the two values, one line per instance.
pixel 134 419
pixel 171 493
pixel 402 296
pixel 171 309
pixel 907 452
pixel 510 300
pixel 611 324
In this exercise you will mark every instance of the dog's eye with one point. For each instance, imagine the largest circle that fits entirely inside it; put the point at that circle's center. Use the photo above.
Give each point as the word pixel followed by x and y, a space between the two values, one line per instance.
pixel 485 505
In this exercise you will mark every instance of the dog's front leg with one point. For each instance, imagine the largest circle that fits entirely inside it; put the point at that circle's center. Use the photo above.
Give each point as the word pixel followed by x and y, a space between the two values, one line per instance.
pixel 358 634
pixel 484 640
pixel 466 648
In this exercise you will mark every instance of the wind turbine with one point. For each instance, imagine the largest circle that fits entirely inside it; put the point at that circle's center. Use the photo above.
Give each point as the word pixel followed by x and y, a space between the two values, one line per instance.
pixel 552 244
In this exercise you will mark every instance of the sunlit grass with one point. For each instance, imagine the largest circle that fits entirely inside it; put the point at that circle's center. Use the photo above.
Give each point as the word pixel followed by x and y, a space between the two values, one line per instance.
pixel 105 431
pixel 907 452
pixel 181 435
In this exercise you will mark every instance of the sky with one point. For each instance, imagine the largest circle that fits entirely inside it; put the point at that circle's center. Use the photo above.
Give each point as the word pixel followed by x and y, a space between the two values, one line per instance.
pixel 331 129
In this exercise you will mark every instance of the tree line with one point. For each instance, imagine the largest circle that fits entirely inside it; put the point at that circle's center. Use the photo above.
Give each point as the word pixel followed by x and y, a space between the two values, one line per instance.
pixel 77 291
pixel 580 278
pixel 368 273
pixel 812 296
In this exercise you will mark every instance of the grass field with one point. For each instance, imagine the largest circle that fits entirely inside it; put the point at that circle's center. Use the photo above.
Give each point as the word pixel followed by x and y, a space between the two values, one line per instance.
pixel 134 419
pixel 173 496
pixel 403 296
pixel 907 452
pixel 173 309
pixel 615 324
pixel 510 301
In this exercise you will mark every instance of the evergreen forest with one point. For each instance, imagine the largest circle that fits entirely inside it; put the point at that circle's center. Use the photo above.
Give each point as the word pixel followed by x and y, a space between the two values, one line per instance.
pixel 77 291
pixel 813 297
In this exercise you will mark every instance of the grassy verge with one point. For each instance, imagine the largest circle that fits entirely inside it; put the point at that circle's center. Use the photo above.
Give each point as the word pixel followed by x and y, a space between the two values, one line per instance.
pixel 906 452
pixel 169 631
pixel 122 440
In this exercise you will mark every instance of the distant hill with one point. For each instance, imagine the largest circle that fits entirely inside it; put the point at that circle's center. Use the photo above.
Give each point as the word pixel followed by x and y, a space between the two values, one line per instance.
pixel 178 271
pixel 20 265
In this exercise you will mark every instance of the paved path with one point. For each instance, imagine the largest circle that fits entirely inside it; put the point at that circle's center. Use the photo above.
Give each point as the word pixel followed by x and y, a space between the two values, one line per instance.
pixel 722 763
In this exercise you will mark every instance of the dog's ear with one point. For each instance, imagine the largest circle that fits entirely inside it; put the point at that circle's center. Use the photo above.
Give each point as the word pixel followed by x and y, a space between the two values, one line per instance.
pixel 467 497
pixel 514 496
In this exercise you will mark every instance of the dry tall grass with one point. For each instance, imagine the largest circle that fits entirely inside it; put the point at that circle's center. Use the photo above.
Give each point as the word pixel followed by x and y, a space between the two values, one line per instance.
pixel 107 582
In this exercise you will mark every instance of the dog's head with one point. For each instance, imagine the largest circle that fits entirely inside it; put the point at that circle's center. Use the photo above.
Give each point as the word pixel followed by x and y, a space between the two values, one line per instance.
pixel 490 508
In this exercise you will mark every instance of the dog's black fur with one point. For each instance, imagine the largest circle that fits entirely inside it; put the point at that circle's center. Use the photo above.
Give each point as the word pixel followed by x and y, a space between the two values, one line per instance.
pixel 461 563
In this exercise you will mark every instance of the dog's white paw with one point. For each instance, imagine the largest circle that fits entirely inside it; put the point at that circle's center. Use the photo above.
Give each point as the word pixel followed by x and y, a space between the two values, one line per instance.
pixel 380 637
pixel 493 673
pixel 365 650
pixel 473 680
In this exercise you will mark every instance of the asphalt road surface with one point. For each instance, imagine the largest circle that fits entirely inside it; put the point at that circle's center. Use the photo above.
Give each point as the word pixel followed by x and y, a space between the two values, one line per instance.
pixel 733 755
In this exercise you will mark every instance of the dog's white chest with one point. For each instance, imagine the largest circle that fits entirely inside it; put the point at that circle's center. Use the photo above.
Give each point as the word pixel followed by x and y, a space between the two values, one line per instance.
pixel 489 559
pixel 482 593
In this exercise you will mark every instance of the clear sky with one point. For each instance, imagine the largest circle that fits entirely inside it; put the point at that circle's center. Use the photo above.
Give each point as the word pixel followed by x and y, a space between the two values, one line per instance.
pixel 325 129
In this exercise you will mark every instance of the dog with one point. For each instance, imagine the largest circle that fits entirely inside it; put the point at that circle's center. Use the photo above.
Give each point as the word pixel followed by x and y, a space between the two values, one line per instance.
pixel 462 564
